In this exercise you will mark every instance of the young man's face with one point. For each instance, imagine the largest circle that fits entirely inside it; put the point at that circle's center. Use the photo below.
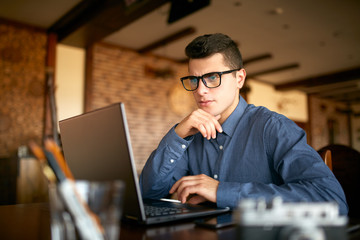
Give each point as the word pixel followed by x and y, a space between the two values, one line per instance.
pixel 223 99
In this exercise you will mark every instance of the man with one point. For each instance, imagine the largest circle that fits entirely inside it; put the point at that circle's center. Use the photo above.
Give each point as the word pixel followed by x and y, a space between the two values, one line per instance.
pixel 227 149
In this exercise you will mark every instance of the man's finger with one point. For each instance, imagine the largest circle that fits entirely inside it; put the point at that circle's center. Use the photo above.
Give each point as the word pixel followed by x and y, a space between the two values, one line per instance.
pixel 176 185
pixel 196 199
pixel 217 124
pixel 202 130
pixel 185 191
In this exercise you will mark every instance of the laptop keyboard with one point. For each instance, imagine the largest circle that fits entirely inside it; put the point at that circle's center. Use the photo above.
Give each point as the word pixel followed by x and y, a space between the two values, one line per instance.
pixel 153 211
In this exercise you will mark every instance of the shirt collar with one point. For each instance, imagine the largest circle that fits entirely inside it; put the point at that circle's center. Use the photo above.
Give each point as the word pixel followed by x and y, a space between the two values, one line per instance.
pixel 232 121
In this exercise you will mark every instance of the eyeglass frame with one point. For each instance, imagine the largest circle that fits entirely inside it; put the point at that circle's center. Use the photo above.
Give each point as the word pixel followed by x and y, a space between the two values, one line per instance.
pixel 203 81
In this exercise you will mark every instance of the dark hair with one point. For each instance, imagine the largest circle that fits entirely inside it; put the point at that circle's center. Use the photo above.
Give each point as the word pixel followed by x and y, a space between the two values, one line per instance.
pixel 209 44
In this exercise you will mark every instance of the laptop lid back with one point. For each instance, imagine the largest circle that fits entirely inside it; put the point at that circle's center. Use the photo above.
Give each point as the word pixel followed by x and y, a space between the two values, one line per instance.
pixel 97 147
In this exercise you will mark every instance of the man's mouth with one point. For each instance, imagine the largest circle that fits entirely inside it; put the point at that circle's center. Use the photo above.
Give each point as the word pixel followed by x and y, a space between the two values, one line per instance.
pixel 205 103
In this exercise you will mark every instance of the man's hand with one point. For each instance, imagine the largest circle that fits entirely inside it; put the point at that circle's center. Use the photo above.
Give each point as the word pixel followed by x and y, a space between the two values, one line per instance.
pixel 198 188
pixel 199 121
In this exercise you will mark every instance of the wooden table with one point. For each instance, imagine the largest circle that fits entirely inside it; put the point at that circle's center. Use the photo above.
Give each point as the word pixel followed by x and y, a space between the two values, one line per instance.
pixel 25 221
pixel 32 221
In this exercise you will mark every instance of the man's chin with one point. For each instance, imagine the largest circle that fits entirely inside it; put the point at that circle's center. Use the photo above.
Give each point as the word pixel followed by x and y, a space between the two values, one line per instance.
pixel 210 111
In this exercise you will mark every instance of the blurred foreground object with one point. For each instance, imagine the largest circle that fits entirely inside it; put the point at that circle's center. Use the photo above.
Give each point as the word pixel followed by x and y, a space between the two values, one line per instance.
pixel 258 219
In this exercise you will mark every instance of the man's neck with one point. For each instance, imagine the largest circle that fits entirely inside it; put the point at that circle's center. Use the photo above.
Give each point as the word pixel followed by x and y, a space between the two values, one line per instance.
pixel 229 110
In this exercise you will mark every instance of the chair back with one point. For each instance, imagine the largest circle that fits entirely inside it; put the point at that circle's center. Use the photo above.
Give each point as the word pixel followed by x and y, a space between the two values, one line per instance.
pixel 345 163
pixel 326 156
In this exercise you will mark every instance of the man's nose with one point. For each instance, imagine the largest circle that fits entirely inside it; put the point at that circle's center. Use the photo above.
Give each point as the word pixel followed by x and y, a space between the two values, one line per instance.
pixel 202 88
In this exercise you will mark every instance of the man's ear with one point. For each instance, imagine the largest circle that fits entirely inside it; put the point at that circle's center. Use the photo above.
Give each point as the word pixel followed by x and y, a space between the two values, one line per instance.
pixel 240 77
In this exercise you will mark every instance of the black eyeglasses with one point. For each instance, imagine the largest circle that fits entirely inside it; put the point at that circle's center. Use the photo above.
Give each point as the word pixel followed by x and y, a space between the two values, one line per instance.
pixel 210 80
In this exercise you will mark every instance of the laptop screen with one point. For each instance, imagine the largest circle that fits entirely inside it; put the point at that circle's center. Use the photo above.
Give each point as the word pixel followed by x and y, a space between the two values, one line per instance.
pixel 97 147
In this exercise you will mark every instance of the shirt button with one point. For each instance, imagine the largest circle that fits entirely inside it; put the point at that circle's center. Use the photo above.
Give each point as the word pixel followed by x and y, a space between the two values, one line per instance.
pixel 216 176
pixel 172 160
pixel 183 146
pixel 221 147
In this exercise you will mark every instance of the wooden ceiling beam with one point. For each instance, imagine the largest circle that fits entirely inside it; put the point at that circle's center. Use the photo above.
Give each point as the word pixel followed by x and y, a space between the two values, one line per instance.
pixel 246 61
pixel 348 97
pixel 273 70
pixel 167 40
pixel 335 89
pixel 342 76
pixel 92 21
pixel 257 58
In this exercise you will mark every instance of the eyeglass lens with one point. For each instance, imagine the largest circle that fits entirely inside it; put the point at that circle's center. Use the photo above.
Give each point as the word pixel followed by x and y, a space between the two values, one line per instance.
pixel 211 80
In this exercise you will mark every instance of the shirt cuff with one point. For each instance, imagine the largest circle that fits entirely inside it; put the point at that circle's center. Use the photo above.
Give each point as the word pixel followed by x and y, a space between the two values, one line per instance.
pixel 174 148
pixel 227 195
pixel 176 144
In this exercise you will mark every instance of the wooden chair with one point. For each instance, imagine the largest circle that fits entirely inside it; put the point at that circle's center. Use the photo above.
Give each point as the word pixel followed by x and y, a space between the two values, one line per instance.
pixel 345 164
pixel 326 156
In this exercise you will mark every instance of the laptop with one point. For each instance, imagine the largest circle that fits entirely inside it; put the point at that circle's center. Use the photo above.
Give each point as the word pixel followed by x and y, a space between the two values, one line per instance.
pixel 97 147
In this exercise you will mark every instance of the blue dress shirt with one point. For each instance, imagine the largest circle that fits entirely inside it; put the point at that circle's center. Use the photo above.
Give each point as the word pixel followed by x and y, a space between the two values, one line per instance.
pixel 259 154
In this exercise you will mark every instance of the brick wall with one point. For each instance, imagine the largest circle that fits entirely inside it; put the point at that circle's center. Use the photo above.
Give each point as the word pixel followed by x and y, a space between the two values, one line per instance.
pixel 22 79
pixel 149 86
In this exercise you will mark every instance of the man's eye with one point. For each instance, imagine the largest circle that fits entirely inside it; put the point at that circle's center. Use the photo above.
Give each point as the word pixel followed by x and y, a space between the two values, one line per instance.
pixel 193 81
pixel 212 77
